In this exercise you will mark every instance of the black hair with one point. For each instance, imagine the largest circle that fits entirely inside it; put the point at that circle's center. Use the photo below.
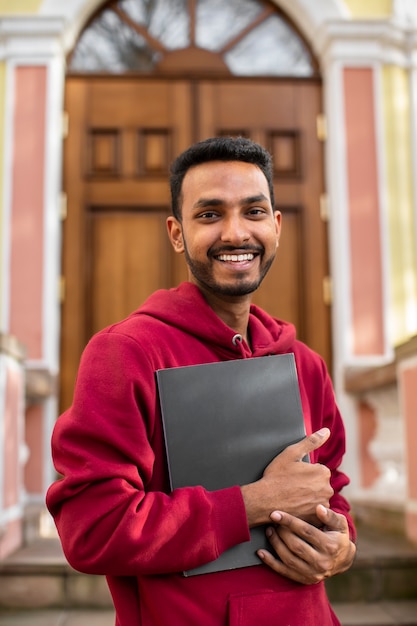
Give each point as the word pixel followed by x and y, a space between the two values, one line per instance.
pixel 218 149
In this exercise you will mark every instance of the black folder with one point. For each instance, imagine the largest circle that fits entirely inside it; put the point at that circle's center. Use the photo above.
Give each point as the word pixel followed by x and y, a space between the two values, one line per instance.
pixel 223 424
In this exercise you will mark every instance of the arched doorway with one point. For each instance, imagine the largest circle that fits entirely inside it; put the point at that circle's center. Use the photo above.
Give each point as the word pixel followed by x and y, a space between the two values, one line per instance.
pixel 146 79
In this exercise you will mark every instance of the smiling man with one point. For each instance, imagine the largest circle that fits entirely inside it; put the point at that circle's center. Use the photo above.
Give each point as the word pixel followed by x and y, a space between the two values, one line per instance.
pixel 113 507
pixel 228 228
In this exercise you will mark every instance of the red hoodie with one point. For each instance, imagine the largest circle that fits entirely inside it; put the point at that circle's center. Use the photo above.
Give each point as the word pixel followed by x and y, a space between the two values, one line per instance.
pixel 113 507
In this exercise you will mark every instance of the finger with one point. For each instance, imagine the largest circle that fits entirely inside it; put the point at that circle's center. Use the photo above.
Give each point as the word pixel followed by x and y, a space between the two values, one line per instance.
pixel 275 564
pixel 305 531
pixel 290 553
pixel 289 566
pixel 282 563
pixel 299 450
pixel 289 546
pixel 332 520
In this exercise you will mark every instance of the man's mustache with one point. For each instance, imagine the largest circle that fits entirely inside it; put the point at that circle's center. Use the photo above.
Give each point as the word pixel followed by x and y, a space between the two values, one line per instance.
pixel 235 250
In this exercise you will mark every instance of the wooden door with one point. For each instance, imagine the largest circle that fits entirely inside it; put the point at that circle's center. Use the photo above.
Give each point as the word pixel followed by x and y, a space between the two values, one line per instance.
pixel 123 134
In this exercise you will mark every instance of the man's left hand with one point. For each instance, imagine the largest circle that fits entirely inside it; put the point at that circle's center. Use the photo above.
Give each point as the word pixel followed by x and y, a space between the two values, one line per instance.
pixel 307 554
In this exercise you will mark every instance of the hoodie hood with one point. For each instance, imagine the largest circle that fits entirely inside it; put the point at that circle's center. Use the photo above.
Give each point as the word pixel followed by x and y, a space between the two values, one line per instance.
pixel 186 309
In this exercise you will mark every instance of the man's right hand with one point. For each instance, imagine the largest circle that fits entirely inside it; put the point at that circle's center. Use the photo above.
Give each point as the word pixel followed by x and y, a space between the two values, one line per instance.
pixel 290 485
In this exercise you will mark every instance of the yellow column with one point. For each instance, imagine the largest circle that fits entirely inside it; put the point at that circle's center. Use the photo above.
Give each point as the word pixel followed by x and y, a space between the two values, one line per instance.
pixel 2 114
pixel 371 9
pixel 13 7
pixel 399 189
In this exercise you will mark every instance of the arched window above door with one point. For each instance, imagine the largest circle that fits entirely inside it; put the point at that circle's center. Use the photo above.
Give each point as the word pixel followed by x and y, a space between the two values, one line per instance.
pixel 237 37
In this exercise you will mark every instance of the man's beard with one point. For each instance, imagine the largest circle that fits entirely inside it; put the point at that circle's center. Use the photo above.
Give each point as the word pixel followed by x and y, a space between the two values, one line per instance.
pixel 242 287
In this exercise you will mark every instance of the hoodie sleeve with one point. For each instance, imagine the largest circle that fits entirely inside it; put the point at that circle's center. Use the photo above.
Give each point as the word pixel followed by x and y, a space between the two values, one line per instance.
pixel 319 401
pixel 111 507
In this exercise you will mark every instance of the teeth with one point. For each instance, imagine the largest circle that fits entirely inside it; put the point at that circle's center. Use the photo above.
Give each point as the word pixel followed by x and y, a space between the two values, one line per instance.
pixel 236 257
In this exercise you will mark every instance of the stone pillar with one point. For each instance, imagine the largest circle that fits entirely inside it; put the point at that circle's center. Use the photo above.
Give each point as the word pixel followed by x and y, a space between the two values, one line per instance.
pixel 12 444
pixel 388 447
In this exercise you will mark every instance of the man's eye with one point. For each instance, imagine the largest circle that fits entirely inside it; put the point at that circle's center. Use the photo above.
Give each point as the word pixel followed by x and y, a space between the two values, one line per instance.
pixel 256 210
pixel 207 215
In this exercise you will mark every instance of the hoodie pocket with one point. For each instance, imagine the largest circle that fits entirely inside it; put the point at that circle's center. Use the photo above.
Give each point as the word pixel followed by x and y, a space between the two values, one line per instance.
pixel 300 606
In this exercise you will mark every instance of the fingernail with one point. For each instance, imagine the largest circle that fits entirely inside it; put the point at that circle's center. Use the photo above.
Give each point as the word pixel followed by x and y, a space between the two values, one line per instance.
pixel 322 432
pixel 276 516
pixel 269 532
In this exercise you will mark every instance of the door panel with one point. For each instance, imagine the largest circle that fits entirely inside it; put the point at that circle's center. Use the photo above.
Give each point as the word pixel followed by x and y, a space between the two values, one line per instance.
pixel 282 117
pixel 124 133
pixel 129 257
pixel 123 136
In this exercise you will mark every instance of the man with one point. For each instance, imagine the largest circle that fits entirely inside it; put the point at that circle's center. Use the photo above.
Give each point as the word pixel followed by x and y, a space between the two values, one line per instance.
pixel 113 507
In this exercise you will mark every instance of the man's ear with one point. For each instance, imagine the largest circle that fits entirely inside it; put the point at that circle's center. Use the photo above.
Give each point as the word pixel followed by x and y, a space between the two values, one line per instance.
pixel 175 234
pixel 278 224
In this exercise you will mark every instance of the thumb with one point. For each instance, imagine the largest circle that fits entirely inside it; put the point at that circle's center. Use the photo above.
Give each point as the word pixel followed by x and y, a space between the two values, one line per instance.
pixel 332 520
pixel 308 444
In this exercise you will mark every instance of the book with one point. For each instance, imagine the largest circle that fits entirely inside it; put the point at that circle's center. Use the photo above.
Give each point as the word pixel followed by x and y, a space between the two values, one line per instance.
pixel 223 424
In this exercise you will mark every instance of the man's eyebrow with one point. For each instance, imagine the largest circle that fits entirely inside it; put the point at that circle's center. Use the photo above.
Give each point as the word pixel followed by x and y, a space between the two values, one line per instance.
pixel 253 199
pixel 204 203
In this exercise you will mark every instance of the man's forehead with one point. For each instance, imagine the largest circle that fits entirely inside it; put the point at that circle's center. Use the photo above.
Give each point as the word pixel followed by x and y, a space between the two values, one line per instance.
pixel 210 165
pixel 217 183
pixel 222 173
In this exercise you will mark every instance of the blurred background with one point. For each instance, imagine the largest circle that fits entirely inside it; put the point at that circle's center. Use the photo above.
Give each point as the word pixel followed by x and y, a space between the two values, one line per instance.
pixel 96 99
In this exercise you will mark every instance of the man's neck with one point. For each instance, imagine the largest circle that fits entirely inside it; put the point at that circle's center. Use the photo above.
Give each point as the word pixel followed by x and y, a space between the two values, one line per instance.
pixel 232 310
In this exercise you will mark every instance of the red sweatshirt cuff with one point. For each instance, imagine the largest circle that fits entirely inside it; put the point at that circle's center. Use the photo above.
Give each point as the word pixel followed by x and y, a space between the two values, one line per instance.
pixel 231 521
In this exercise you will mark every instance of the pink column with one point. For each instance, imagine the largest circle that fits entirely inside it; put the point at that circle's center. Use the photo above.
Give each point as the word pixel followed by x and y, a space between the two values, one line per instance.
pixel 27 238
pixel 364 219
pixel 27 211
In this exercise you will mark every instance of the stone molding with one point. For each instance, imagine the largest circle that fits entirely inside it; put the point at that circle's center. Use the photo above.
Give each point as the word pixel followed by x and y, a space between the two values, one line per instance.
pixel 40 384
pixel 10 346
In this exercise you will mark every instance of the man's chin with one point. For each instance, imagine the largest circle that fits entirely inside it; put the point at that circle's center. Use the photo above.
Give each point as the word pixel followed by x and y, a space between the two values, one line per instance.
pixel 236 290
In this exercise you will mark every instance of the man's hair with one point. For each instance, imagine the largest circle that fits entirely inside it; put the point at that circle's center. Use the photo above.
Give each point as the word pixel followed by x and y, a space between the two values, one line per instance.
pixel 218 149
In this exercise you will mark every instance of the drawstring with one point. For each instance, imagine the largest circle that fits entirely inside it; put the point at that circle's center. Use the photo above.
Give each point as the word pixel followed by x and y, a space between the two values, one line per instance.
pixel 237 339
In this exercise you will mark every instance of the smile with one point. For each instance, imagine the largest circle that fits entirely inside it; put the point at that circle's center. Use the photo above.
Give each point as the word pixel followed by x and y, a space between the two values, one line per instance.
pixel 236 258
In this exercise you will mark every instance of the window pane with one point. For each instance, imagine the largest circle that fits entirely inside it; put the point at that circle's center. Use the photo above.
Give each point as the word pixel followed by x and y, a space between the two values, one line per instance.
pixel 166 20
pixel 217 21
pixel 271 49
pixel 110 45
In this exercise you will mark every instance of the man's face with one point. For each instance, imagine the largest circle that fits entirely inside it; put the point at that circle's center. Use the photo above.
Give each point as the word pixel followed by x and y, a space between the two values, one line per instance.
pixel 229 231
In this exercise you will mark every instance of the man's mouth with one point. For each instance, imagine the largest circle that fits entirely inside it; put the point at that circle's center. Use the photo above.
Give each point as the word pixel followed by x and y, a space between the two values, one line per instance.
pixel 236 258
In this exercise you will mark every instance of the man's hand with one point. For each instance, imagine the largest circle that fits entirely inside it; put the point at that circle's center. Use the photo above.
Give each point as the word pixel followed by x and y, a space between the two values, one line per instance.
pixel 290 485
pixel 306 554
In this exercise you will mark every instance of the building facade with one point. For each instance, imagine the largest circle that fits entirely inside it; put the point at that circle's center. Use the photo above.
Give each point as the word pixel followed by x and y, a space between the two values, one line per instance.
pixel 365 62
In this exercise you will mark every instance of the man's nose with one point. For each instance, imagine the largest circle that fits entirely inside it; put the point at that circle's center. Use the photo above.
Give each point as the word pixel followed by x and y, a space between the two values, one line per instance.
pixel 235 230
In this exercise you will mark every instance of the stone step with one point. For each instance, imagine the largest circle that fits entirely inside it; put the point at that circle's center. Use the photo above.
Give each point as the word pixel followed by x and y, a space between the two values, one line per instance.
pixel 385 569
pixel 38 577
pixel 398 613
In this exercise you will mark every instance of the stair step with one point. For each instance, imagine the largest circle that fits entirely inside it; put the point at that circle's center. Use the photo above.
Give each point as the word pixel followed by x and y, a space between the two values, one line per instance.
pixel 398 613
pixel 385 570
pixel 38 576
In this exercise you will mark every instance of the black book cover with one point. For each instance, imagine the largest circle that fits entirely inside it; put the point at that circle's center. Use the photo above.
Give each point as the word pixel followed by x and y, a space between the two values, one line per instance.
pixel 223 424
